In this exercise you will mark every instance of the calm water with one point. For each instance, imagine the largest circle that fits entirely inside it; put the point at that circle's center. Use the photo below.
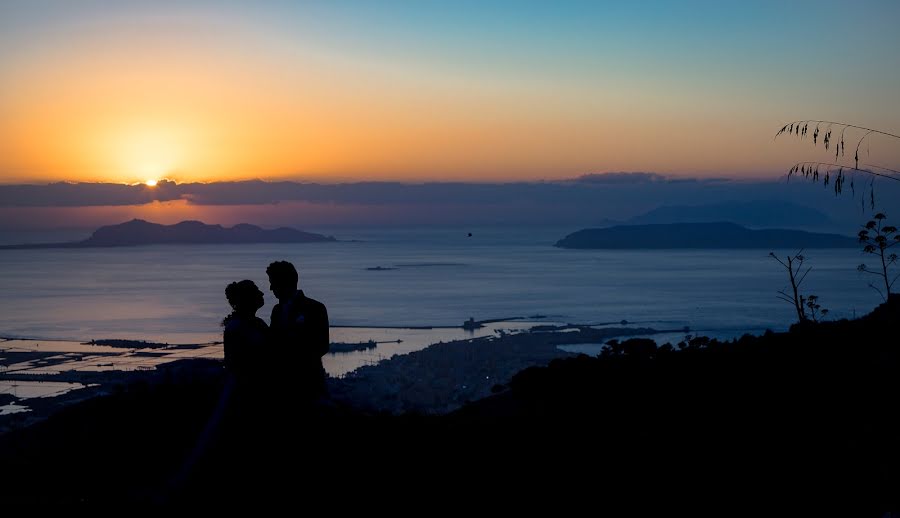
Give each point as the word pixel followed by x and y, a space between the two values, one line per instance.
pixel 439 277
pixel 176 293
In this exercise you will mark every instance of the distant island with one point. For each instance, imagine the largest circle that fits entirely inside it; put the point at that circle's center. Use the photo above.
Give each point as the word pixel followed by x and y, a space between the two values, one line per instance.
pixel 700 235
pixel 139 232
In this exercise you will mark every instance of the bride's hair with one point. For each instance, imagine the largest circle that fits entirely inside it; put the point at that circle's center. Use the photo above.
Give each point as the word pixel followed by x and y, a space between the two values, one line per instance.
pixel 239 293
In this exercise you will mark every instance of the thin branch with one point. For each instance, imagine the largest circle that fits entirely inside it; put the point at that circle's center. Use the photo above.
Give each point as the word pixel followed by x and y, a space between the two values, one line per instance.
pixel 803 277
pixel 882 168
pixel 851 168
pixel 788 296
pixel 773 256
pixel 878 290
pixel 870 130
pixel 860 143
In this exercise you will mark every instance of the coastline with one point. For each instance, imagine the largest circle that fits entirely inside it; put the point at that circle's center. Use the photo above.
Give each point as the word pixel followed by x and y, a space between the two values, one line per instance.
pixel 433 379
pixel 444 376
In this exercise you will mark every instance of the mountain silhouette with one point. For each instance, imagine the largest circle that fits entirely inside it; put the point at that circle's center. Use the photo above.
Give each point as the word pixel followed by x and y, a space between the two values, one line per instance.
pixel 759 213
pixel 139 232
pixel 700 235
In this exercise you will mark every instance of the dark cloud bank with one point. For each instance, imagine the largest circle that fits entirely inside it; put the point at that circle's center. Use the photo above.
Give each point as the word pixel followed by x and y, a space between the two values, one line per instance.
pixel 588 200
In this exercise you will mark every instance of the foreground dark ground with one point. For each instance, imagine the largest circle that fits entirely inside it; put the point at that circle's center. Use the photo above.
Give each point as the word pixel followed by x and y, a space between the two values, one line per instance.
pixel 811 415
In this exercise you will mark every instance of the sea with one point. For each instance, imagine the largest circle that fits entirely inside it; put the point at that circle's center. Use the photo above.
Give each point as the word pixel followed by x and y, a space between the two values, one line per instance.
pixel 409 287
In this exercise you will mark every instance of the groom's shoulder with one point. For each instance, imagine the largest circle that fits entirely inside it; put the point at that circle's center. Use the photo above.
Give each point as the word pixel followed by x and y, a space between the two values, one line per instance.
pixel 313 304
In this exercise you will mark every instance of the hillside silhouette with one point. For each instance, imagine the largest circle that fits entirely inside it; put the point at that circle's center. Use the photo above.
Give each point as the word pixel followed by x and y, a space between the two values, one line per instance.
pixel 810 408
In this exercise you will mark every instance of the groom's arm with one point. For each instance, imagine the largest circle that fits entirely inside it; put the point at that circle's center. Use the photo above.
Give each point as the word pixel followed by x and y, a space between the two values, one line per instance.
pixel 320 338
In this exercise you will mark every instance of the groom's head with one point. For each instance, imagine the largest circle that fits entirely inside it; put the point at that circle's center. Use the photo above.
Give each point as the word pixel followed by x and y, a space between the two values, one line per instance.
pixel 282 279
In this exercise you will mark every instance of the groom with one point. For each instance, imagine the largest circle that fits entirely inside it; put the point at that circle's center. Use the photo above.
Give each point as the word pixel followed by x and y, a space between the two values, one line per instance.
pixel 299 331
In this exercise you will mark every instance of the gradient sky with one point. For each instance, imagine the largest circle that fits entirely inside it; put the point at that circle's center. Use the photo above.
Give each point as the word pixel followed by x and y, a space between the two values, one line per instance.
pixel 422 90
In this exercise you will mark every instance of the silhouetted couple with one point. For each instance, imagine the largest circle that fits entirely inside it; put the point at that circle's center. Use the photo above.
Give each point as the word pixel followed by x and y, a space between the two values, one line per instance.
pixel 274 375
pixel 279 363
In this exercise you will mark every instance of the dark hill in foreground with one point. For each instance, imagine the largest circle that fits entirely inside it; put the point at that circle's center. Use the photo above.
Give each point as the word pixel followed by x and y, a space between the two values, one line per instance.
pixel 140 232
pixel 812 408
pixel 804 417
pixel 700 235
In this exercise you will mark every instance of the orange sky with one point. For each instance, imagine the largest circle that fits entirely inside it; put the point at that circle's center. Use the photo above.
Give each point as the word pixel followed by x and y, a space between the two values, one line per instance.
pixel 199 94
pixel 195 117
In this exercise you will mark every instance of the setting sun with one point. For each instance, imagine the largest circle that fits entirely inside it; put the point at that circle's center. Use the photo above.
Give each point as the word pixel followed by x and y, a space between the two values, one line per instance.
pixel 151 183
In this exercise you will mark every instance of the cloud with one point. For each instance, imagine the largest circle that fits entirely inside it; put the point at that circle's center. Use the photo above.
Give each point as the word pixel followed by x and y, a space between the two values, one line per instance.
pixel 584 201
pixel 621 178
pixel 258 192
pixel 65 194
pixel 638 178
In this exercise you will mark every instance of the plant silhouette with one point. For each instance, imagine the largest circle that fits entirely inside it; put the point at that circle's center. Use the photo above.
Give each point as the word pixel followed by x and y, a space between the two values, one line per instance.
pixel 816 311
pixel 835 173
pixel 877 238
pixel 796 275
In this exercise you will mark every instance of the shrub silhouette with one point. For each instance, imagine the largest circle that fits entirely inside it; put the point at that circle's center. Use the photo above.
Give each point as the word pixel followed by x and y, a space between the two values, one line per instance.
pixel 877 238
pixel 816 311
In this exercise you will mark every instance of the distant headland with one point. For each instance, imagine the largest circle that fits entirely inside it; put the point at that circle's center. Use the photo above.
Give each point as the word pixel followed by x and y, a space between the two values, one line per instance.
pixel 139 232
pixel 700 235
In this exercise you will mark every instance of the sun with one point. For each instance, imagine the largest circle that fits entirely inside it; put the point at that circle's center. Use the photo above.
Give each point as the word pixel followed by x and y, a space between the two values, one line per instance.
pixel 154 172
